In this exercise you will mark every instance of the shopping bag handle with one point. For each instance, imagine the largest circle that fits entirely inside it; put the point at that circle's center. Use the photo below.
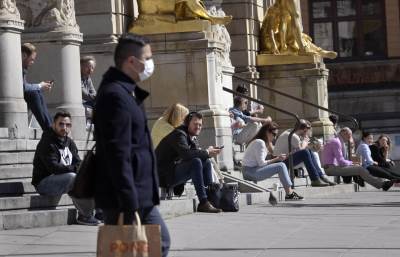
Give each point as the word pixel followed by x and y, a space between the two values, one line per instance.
pixel 137 218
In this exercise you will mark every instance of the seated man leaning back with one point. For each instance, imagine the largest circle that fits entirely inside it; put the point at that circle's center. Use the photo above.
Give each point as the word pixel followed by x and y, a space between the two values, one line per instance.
pixel 55 165
pixel 179 159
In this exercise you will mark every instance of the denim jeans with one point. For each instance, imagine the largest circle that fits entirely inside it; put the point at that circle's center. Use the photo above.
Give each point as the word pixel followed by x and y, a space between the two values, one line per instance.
pixel 309 161
pixel 149 215
pixel 197 170
pixel 35 102
pixel 57 185
pixel 267 171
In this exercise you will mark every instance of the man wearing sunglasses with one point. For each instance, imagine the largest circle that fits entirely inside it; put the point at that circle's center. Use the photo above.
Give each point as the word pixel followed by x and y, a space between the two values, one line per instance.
pixel 55 165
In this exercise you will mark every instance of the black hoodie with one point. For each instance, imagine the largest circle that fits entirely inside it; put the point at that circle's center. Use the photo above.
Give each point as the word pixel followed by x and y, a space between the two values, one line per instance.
pixel 47 160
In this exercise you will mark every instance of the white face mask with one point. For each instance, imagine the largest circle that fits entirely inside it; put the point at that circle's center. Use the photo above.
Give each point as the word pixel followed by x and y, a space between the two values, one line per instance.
pixel 148 70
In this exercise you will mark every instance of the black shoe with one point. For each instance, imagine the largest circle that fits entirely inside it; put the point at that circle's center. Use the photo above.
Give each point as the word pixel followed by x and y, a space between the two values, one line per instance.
pixel 294 197
pixel 318 183
pixel 387 184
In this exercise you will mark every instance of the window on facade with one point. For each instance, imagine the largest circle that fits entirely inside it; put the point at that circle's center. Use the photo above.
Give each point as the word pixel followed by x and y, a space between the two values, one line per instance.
pixel 355 29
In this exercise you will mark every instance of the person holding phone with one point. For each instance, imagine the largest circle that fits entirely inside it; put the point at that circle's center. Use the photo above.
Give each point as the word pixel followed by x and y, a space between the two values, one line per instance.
pixel 179 159
pixel 257 168
pixel 33 92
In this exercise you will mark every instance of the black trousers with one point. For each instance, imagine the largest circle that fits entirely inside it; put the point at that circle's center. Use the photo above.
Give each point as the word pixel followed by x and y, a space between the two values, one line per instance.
pixel 35 102
pixel 381 172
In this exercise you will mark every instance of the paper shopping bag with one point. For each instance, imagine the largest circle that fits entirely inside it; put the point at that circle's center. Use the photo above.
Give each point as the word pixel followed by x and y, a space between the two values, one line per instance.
pixel 135 240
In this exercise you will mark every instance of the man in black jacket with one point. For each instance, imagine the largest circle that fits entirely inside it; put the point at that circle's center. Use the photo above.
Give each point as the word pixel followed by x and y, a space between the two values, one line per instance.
pixel 126 179
pixel 179 159
pixel 55 165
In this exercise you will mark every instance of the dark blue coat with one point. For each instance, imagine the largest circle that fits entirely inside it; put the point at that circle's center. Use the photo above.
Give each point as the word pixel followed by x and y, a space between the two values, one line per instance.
pixel 126 176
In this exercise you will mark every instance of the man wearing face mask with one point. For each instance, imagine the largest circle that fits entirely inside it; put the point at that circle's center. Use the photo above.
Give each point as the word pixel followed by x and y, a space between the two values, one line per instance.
pixel 126 177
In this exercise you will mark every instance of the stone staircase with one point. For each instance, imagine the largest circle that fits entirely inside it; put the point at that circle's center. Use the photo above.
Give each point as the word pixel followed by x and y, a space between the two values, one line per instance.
pixel 22 207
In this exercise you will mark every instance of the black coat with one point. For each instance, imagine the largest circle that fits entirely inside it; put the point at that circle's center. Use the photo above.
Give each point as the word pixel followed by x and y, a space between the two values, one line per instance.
pixel 378 156
pixel 126 177
pixel 176 146
pixel 47 160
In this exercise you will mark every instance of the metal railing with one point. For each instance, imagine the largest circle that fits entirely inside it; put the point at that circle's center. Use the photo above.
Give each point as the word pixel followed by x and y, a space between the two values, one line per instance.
pixel 341 115
pixel 290 157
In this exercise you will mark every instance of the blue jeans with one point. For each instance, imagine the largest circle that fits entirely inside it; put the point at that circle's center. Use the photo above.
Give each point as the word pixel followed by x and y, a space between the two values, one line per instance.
pixel 309 161
pixel 267 171
pixel 57 185
pixel 149 215
pixel 197 170
pixel 35 102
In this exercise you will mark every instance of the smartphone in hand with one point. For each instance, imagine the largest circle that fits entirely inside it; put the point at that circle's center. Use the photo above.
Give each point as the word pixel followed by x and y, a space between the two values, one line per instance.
pixel 219 147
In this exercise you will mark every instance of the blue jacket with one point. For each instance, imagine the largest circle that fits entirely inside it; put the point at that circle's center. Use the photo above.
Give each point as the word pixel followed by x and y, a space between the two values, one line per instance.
pixel 126 177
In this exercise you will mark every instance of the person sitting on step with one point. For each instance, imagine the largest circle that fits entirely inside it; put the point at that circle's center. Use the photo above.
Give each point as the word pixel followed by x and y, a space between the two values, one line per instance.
pixel 172 118
pixel 257 168
pixel 249 125
pixel 55 165
pixel 335 164
pixel 301 154
pixel 179 159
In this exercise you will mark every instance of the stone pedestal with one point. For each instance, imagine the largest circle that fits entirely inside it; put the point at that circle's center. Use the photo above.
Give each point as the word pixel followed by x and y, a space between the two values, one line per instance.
pixel 13 110
pixel 192 68
pixel 307 81
pixel 58 59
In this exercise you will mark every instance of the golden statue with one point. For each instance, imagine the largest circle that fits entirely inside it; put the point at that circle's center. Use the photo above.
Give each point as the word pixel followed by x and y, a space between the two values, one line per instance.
pixel 167 13
pixel 282 32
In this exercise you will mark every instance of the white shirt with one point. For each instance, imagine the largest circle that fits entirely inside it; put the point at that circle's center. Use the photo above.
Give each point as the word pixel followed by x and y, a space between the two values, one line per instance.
pixel 282 146
pixel 255 154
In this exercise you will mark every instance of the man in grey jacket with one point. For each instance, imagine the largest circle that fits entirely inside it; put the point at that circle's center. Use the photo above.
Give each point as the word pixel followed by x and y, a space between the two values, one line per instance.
pixel 33 92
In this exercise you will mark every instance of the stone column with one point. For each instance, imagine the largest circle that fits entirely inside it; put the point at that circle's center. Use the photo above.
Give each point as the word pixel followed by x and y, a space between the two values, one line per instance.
pixel 13 111
pixel 52 28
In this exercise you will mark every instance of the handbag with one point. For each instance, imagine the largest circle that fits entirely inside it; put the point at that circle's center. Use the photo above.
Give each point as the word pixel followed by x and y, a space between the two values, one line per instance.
pixel 84 180
pixel 224 196
pixel 134 240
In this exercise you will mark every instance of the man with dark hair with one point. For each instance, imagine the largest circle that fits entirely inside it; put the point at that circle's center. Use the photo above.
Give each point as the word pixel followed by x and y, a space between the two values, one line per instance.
pixel 301 153
pixel 180 159
pixel 55 165
pixel 33 92
pixel 126 179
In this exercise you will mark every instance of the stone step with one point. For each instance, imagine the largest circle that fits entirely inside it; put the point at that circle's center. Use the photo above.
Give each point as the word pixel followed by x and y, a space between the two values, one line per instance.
pixel 19 145
pixel 37 218
pixel 16 158
pixel 16 187
pixel 33 202
pixel 63 215
pixel 15 171
pixel 18 219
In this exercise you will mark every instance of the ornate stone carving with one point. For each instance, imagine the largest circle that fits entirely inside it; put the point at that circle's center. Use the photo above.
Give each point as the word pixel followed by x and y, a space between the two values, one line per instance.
pixel 8 9
pixel 50 15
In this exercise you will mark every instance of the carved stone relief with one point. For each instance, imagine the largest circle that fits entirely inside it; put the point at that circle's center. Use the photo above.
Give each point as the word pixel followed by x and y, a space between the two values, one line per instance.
pixel 50 15
pixel 8 9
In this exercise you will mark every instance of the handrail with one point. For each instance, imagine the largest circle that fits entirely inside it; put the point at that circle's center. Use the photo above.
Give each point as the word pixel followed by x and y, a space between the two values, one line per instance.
pixel 291 170
pixel 348 117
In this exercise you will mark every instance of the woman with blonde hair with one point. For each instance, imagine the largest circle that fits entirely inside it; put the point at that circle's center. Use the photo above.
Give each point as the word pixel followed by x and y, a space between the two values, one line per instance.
pixel 171 118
